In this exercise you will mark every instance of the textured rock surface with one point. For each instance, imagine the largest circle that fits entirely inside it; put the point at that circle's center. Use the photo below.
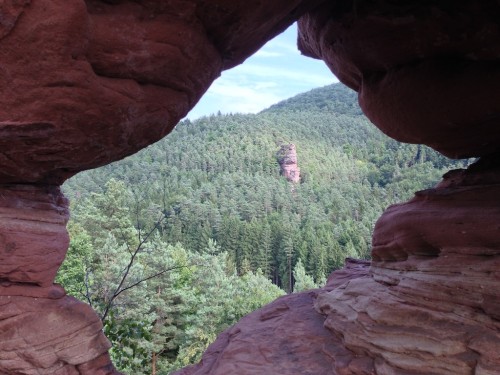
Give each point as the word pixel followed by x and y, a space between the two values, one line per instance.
pixel 432 305
pixel 287 159
pixel 42 331
pixel 51 336
pixel 86 83
pixel 438 55
pixel 285 337
pixel 33 236
pixel 83 83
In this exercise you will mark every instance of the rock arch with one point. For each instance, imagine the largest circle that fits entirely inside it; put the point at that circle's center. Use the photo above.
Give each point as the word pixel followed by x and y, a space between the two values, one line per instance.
pixel 84 83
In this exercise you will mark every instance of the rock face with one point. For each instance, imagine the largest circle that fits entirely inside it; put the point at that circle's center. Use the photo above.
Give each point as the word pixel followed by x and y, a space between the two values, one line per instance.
pixel 432 304
pixel 426 72
pixel 51 335
pixel 285 337
pixel 287 159
pixel 42 330
pixel 33 236
pixel 84 83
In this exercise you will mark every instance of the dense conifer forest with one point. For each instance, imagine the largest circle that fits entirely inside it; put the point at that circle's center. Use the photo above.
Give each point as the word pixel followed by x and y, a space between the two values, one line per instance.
pixel 174 244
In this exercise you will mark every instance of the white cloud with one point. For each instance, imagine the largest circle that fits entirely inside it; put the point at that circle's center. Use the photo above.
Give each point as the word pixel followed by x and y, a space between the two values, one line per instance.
pixel 234 97
pixel 263 53
pixel 286 73
pixel 265 85
pixel 274 73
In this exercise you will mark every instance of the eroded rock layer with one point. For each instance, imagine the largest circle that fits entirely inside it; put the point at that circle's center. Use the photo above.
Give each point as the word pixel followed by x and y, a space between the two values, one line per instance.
pixel 42 331
pixel 48 336
pixel 84 83
pixel 33 236
pixel 285 337
pixel 432 305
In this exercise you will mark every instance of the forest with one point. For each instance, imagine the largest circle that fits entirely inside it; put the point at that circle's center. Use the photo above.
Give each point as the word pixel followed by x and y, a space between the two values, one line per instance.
pixel 174 244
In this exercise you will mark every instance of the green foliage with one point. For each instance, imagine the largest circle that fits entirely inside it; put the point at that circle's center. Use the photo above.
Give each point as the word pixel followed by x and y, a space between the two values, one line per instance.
pixel 131 342
pixel 302 280
pixel 169 303
pixel 74 269
pixel 176 243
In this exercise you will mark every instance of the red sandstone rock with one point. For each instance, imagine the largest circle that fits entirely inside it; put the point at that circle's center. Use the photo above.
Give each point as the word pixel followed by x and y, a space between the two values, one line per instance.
pixel 353 269
pixel 83 83
pixel 99 366
pixel 33 236
pixel 433 304
pixel 86 83
pixel 285 337
pixel 287 159
pixel 42 331
pixel 426 72
pixel 51 336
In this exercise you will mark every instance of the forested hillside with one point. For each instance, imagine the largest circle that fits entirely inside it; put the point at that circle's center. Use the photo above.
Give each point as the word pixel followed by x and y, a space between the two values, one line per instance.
pixel 207 212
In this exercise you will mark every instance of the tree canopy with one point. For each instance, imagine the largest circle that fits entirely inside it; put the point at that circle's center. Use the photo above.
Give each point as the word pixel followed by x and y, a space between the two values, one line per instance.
pixel 212 228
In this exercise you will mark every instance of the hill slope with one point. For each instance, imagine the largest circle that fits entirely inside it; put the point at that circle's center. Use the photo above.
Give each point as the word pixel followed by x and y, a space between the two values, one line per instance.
pixel 218 178
pixel 156 238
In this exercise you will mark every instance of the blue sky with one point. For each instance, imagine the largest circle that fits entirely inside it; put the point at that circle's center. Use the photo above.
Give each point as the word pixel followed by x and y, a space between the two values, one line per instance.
pixel 277 71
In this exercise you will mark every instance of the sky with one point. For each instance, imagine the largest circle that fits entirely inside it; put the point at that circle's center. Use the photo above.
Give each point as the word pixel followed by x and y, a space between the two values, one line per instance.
pixel 276 72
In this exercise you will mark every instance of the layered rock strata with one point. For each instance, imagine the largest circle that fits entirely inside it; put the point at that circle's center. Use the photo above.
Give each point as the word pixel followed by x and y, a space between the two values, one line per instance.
pixel 33 236
pixel 432 305
pixel 426 72
pixel 42 330
pixel 84 83
pixel 285 337
pixel 51 335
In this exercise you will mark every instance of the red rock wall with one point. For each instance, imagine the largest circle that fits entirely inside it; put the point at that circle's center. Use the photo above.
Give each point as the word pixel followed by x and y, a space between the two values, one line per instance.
pixel 83 83
pixel 432 305
pixel 285 337
pixel 41 329
pixel 426 72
